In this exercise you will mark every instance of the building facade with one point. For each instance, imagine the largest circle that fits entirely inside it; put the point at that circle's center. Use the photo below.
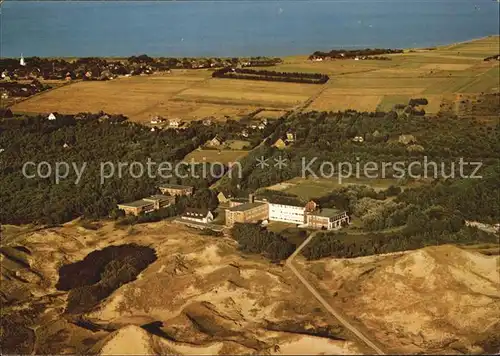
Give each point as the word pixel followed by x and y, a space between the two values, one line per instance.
pixel 287 213
pixel 249 212
pixel 327 219
pixel 147 205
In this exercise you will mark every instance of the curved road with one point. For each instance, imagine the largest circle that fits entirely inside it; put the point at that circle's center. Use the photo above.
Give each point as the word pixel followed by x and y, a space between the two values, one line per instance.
pixel 327 306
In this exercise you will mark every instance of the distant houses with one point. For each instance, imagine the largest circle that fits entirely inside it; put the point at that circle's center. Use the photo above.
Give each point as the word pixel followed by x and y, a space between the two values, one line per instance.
pixel 215 142
pixel 282 143
pixel 175 123
pixel 176 189
pixel 51 117
pixel 157 120
pixel 407 139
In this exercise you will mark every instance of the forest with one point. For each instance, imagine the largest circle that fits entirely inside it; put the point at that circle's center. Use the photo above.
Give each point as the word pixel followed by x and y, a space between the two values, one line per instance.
pixel 253 238
pixel 343 245
pixel 100 273
pixel 272 76
pixel 88 138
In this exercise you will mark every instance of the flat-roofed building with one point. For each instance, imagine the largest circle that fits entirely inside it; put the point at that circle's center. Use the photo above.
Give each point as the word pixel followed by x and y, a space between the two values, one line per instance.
pixel 249 212
pixel 176 189
pixel 147 205
pixel 294 214
pixel 327 219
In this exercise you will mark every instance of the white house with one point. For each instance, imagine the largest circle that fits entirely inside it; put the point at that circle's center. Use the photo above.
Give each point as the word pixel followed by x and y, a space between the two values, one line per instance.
pixel 287 213
pixel 198 215
pixel 51 117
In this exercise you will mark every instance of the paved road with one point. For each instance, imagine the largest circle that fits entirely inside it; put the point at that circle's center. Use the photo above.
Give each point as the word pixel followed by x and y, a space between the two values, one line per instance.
pixel 327 306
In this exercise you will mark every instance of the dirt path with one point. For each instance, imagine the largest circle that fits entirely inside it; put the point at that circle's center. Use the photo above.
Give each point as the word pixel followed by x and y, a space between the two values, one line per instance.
pixel 323 302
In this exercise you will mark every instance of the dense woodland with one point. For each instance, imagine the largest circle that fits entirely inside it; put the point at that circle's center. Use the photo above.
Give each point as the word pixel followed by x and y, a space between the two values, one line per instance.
pixel 100 273
pixel 255 239
pixel 271 76
pixel 343 245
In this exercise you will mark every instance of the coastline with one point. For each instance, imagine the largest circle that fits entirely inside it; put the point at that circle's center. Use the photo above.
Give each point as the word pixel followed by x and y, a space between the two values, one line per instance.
pixel 294 56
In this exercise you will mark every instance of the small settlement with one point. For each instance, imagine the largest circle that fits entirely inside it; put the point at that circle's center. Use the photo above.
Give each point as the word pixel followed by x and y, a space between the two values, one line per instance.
pixel 240 210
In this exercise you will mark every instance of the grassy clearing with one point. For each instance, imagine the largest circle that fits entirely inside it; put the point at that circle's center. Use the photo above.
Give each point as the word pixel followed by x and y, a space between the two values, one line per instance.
pixel 388 101
pixel 236 144
pixel 222 156
pixel 315 188
pixel 270 114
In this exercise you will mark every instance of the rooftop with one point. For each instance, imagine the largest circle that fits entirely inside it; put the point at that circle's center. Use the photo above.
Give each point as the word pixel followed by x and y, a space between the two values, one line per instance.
pixel 240 200
pixel 195 212
pixel 160 197
pixel 137 204
pixel 176 186
pixel 245 206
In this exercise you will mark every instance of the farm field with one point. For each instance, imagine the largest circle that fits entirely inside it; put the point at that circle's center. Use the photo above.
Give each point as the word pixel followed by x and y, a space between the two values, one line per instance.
pixel 330 99
pixel 437 74
pixel 247 92
pixel 270 114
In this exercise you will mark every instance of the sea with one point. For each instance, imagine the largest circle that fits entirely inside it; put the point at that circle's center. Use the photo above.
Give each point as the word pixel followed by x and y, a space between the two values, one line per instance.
pixel 236 28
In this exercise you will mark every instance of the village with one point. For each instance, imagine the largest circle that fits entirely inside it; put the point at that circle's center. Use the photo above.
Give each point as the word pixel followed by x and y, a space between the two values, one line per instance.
pixel 22 78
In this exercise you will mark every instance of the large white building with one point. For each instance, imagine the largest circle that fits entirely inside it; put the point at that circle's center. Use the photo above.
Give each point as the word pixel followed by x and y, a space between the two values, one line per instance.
pixel 287 213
